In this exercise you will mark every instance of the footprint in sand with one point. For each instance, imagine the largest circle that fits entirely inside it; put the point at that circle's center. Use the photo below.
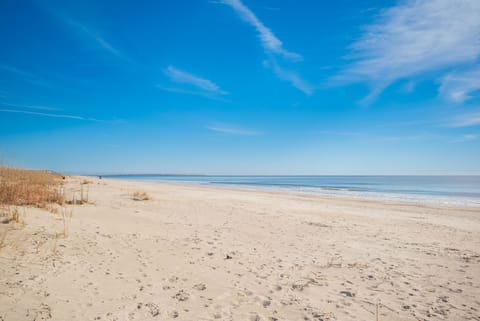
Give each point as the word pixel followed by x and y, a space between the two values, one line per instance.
pixel 153 309
pixel 181 296
pixel 173 314
pixel 200 287
pixel 44 313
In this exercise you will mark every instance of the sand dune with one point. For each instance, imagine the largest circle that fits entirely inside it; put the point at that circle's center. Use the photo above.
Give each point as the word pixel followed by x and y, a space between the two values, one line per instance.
pixel 207 253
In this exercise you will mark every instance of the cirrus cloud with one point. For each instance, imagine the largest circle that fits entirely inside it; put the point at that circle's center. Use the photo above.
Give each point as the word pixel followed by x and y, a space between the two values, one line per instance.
pixel 413 38
pixel 269 41
pixel 229 129
pixel 273 47
pixel 460 86
pixel 183 77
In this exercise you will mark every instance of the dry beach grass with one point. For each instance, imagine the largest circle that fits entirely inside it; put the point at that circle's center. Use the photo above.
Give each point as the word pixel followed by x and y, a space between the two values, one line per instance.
pixel 20 187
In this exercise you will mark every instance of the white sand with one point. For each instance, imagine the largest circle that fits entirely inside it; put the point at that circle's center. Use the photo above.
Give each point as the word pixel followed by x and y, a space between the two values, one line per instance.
pixel 290 257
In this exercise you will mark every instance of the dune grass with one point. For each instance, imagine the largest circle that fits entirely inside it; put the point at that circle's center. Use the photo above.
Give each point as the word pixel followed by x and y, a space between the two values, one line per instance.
pixel 37 188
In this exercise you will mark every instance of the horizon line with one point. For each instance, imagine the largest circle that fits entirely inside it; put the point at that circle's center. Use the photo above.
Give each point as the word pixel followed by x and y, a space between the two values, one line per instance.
pixel 260 175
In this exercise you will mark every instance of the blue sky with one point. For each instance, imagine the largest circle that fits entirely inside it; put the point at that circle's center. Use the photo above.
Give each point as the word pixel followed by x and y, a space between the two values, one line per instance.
pixel 241 87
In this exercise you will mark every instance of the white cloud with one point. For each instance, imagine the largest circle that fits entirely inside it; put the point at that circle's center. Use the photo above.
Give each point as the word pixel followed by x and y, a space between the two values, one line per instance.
pixel 341 133
pixel 272 46
pixel 469 137
pixel 30 106
pixel 183 77
pixel 412 38
pixel 465 138
pixel 466 120
pixel 269 41
pixel 290 76
pixel 232 130
pixel 26 76
pixel 94 37
pixel 459 86
pixel 34 113
pixel 17 71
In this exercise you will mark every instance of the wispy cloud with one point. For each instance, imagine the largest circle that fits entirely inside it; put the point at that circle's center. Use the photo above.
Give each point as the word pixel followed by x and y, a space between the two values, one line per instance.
pixel 34 113
pixel 290 76
pixel 459 86
pixel 272 46
pixel 469 137
pixel 381 136
pixel 202 93
pixel 413 38
pixel 200 86
pixel 29 106
pixel 268 40
pixel 232 130
pixel 447 120
pixel 464 138
pixel 341 133
pixel 465 120
pixel 414 137
pixel 25 75
pixel 94 37
pixel 16 71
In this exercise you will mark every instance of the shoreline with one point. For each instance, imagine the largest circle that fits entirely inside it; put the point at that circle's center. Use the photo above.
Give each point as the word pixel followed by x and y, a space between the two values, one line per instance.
pixel 386 198
pixel 190 252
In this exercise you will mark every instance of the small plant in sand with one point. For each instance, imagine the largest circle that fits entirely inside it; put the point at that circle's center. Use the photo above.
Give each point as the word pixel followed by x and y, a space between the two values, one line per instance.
pixel 140 196
pixel 67 214
pixel 15 215
pixel 79 197
pixel 2 237
pixel 84 195
pixel 9 214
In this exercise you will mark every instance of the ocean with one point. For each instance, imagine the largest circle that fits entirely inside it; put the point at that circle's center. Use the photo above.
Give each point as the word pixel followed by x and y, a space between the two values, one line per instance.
pixel 448 190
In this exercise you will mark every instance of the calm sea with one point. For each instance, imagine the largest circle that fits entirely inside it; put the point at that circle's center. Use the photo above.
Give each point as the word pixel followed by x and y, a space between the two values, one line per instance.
pixel 453 190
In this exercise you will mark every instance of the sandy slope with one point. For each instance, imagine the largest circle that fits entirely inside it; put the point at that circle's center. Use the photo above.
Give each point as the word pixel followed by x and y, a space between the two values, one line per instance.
pixel 203 253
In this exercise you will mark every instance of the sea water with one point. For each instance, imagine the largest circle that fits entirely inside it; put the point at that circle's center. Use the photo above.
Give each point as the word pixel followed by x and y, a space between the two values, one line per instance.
pixel 448 190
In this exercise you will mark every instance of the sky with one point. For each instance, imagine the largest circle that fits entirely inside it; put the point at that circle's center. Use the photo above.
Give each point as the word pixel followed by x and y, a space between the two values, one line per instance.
pixel 346 87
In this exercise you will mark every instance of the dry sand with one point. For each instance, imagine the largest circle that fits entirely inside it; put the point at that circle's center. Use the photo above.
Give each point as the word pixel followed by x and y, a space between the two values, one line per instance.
pixel 207 253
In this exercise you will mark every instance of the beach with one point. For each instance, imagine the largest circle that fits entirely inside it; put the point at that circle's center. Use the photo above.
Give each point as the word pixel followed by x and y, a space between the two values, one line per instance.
pixel 191 252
